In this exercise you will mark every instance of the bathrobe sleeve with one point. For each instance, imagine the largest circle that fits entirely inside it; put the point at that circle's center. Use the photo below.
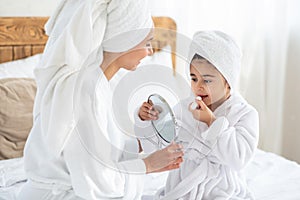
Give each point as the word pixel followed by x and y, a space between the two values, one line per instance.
pixel 233 144
pixel 92 178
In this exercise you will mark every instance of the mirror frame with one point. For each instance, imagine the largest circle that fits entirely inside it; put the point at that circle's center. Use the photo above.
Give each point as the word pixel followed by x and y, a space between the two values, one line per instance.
pixel 171 113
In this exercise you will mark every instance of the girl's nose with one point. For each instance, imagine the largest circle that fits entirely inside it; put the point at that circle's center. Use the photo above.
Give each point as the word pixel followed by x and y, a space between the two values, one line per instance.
pixel 150 51
pixel 200 85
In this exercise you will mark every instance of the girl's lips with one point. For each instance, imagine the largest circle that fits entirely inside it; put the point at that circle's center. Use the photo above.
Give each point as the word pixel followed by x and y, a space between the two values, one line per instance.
pixel 203 96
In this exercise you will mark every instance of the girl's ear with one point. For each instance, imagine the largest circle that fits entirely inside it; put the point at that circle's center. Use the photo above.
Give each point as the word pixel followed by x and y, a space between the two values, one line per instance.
pixel 228 88
pixel 227 85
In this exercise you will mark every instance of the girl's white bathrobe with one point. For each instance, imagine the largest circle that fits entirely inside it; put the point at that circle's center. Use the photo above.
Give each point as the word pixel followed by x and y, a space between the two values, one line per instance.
pixel 214 156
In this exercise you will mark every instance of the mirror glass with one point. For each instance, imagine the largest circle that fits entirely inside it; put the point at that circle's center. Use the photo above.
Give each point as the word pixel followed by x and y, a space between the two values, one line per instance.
pixel 165 125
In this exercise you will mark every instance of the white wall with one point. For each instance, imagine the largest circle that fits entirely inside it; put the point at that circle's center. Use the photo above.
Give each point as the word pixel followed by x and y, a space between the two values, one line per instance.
pixel 291 113
pixel 27 7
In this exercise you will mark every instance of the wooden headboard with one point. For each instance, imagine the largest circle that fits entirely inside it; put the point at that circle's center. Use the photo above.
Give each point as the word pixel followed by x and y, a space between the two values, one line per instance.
pixel 21 37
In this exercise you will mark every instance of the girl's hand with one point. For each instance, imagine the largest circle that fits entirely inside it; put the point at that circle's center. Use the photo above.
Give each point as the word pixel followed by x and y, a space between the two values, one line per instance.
pixel 147 112
pixel 164 159
pixel 202 112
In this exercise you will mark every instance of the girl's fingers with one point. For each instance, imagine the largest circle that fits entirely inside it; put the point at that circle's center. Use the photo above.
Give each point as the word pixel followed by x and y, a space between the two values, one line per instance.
pixel 148 116
pixel 193 106
pixel 201 104
pixel 152 112
pixel 150 103
pixel 147 105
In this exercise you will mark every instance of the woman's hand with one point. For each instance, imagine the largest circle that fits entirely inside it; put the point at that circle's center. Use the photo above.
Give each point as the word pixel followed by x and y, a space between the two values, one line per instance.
pixel 147 112
pixel 202 113
pixel 164 159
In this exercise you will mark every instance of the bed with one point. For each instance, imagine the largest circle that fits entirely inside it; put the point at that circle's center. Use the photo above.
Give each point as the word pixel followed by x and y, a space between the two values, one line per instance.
pixel 22 41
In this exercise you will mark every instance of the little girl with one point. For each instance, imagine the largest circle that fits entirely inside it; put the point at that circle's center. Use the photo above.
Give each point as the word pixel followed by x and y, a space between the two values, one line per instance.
pixel 219 133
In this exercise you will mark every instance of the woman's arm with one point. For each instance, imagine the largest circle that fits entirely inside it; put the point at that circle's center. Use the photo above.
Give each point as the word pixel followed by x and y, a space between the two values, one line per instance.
pixel 97 176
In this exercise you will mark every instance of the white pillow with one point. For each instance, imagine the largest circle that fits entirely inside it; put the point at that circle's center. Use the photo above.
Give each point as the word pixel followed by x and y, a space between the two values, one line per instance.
pixel 22 68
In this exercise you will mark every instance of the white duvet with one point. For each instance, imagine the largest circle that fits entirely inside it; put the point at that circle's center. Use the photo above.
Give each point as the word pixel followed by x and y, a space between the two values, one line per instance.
pixel 270 177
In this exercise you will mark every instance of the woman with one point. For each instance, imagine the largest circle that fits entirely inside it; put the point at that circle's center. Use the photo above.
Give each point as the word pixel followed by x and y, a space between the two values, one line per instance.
pixel 74 150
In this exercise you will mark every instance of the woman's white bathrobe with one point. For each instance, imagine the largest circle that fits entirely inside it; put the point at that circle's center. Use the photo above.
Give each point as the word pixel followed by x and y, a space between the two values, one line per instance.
pixel 215 156
pixel 74 150
pixel 78 173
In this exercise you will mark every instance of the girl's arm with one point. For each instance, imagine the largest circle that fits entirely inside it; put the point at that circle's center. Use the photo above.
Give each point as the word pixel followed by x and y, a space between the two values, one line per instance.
pixel 233 145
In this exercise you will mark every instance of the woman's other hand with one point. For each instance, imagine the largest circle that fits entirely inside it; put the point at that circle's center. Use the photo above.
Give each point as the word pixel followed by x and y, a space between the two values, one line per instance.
pixel 147 112
pixel 164 159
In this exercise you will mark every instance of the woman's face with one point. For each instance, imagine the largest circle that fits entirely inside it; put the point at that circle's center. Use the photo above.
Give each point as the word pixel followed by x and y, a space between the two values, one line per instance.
pixel 130 59
pixel 208 82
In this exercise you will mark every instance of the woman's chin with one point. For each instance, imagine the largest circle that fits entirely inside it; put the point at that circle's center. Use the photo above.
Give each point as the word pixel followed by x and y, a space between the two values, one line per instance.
pixel 134 68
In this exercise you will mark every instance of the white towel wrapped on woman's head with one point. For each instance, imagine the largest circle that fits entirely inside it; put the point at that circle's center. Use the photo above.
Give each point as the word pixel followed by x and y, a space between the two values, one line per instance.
pixel 221 51
pixel 77 29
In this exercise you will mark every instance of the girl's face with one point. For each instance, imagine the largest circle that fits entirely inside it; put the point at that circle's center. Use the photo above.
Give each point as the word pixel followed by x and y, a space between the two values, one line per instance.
pixel 130 59
pixel 208 82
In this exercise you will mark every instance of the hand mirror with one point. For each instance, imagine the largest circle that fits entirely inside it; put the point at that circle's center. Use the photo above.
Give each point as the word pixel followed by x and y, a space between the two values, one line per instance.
pixel 165 126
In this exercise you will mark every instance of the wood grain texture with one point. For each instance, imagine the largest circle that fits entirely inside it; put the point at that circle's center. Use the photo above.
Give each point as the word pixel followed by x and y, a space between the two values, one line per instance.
pixel 37 49
pixel 21 37
pixel 165 34
pixel 22 51
pixel 6 54
pixel 22 31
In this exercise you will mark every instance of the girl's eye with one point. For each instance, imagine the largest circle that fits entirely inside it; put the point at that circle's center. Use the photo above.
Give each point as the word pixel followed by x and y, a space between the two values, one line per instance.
pixel 148 44
pixel 194 79
pixel 207 81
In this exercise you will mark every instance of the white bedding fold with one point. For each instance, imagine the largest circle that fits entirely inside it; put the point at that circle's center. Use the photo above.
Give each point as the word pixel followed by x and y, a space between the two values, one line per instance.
pixel 269 176
pixel 11 172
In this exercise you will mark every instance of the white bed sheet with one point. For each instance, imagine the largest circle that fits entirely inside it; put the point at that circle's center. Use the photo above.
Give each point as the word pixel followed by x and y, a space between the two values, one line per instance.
pixel 270 177
pixel 12 177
